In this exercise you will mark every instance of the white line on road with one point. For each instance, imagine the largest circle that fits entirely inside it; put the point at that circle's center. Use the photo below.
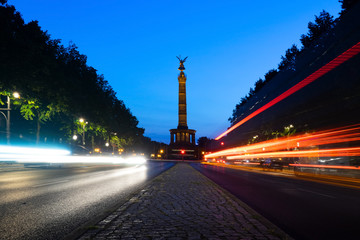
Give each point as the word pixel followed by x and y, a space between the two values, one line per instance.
pixel 50 183
pixel 325 195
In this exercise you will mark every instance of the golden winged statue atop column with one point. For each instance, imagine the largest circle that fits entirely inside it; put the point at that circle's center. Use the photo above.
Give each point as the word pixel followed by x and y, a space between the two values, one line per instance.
pixel 181 68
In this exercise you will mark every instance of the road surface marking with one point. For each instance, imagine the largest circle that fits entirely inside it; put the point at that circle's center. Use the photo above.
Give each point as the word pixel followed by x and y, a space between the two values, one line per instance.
pixel 325 195
pixel 50 183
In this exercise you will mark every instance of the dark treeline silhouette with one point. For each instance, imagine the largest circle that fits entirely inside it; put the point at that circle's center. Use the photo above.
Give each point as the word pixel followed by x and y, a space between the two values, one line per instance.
pixel 317 30
pixel 57 88
pixel 346 5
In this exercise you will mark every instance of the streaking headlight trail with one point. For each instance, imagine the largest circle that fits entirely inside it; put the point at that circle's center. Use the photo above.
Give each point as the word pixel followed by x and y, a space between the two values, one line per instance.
pixel 52 155
pixel 33 151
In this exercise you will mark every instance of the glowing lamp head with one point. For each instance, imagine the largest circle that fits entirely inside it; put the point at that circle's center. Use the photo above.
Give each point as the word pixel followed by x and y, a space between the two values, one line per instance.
pixel 16 95
pixel 74 137
pixel 81 120
pixel 107 144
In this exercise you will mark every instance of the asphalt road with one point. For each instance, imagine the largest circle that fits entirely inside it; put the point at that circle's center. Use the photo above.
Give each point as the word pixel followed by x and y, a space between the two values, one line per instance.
pixel 50 203
pixel 303 209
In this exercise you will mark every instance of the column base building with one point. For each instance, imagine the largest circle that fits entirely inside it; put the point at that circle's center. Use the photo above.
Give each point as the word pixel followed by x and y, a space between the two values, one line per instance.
pixel 182 144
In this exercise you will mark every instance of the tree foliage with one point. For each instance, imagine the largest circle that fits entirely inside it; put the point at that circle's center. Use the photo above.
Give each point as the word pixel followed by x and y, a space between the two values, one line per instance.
pixel 57 85
pixel 203 141
pixel 239 108
pixel 316 31
pixel 289 60
pixel 323 23
pixel 347 4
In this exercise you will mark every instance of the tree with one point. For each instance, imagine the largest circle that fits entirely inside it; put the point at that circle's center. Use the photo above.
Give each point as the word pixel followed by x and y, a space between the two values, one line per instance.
pixel 259 84
pixel 32 108
pixel 203 141
pixel 288 62
pixel 323 23
pixel 251 92
pixel 239 109
pixel 288 131
pixel 56 80
pixel 347 4
pixel 270 75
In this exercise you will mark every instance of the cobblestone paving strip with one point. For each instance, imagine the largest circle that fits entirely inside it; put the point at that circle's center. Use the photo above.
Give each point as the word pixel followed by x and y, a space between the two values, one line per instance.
pixel 181 203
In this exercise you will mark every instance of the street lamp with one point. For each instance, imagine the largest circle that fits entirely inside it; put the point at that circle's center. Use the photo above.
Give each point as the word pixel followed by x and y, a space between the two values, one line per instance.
pixel 161 153
pixel 16 95
pixel 7 117
pixel 83 124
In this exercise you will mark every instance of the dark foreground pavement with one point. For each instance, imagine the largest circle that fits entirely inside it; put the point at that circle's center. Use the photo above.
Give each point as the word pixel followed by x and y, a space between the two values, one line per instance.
pixel 181 203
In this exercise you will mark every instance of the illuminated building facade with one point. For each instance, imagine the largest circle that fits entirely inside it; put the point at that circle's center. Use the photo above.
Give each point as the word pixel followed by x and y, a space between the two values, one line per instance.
pixel 182 139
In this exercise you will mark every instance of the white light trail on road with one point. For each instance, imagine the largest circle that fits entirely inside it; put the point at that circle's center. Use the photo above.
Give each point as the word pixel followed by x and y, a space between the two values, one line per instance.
pixel 47 155
pixel 34 151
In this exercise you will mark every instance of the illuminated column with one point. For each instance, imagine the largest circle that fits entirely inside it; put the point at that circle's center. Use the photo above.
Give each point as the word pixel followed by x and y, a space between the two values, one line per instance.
pixel 182 101
pixel 182 96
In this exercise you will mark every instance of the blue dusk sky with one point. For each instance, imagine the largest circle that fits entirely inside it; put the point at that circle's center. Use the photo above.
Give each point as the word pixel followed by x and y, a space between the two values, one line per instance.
pixel 230 44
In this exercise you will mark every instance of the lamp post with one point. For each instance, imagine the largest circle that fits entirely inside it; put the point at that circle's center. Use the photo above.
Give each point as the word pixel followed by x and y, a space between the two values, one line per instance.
pixel 7 116
pixel 83 123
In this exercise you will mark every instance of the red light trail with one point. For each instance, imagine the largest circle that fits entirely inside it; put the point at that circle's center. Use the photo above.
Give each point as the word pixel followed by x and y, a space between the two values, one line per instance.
pixel 298 146
pixel 325 166
pixel 345 152
pixel 317 74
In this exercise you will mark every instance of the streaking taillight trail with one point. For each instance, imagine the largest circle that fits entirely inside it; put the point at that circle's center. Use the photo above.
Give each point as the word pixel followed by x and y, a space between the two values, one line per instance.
pixel 298 146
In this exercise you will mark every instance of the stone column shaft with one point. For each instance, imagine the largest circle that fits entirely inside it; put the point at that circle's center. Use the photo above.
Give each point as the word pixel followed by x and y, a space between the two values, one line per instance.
pixel 182 102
